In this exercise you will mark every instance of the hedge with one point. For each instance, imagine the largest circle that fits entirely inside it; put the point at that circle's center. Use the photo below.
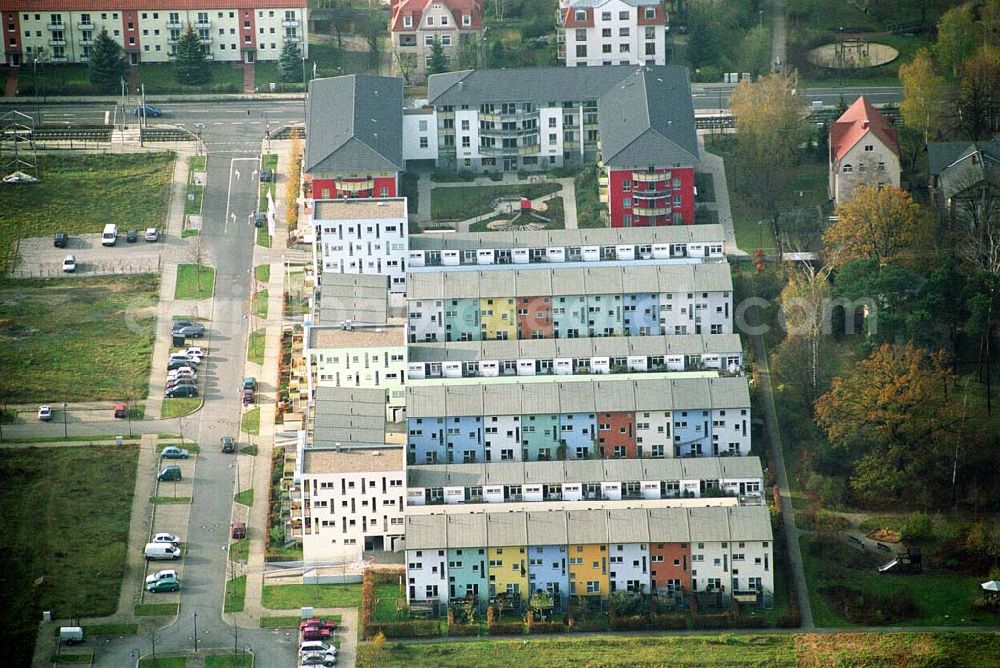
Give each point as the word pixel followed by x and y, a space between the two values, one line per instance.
pixel 506 629
pixel 546 627
pixel 463 629
pixel 411 629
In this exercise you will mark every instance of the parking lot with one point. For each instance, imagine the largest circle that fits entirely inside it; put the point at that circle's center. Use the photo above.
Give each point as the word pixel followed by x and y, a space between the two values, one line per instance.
pixel 38 258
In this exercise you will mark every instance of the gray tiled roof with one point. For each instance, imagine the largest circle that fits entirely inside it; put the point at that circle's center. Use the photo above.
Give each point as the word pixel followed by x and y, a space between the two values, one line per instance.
pixel 540 85
pixel 585 395
pixel 354 125
pixel 360 298
pixel 568 527
pixel 555 281
pixel 348 416
pixel 605 236
pixel 648 119
pixel 940 155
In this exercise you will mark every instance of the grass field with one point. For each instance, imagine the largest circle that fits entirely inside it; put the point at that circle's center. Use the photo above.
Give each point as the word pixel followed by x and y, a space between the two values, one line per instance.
pixel 179 407
pixel 255 346
pixel 194 281
pixel 467 202
pixel 163 662
pixel 245 497
pixel 81 193
pixel 284 597
pixel 155 610
pixel 923 650
pixel 262 273
pixel 83 340
pixel 229 661
pixel 195 193
pixel 269 161
pixel 259 304
pixel 943 599
pixel 250 422
pixel 66 515
pixel 236 593
pixel 239 550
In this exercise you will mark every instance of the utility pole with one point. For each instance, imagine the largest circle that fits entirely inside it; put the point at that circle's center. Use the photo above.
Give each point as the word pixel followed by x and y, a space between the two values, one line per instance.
pixel 195 631
pixel 65 426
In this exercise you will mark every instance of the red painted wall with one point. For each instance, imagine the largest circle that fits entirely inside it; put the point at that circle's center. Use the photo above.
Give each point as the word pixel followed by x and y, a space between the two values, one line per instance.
pixel 133 18
pixel 380 181
pixel 684 211
pixel 248 16
pixel 665 570
pixel 11 38
pixel 620 431
pixel 526 324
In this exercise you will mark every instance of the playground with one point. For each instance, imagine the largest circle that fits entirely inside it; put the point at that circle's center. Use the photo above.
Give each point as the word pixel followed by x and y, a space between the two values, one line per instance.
pixel 852 52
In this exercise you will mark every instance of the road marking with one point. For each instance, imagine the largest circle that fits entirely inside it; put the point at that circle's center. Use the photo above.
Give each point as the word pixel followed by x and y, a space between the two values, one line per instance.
pixel 229 192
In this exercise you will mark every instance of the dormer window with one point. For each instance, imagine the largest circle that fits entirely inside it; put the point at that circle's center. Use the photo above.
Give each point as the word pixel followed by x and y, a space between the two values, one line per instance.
pixel 467 20
pixel 430 20
pixel 407 21
pixel 444 20
pixel 650 12
pixel 580 15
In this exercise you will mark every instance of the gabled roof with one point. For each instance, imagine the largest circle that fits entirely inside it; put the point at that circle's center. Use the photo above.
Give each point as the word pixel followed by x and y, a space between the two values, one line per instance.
pixel 648 119
pixel 416 8
pixel 860 118
pixel 354 125
pixel 946 154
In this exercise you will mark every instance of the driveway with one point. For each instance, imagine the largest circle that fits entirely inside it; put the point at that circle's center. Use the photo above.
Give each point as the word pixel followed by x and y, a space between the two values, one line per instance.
pixel 39 258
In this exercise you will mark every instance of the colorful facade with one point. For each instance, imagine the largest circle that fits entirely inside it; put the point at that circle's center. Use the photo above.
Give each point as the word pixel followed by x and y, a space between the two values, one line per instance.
pixel 651 198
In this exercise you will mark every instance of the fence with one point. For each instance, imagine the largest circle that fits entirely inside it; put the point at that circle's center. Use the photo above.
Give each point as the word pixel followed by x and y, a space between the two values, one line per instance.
pixel 50 270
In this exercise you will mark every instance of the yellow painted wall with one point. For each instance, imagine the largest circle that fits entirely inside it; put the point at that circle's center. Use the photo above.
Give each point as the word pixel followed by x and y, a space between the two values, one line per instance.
pixel 498 315
pixel 593 568
pixel 513 569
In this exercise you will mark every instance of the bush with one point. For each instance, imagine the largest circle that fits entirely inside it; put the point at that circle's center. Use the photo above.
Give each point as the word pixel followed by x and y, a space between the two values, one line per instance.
pixel 750 622
pixel 546 627
pixel 463 629
pixel 506 629
pixel 826 521
pixel 668 622
pixel 870 608
pixel 591 625
pixel 714 621
pixel 789 620
pixel 630 623
pixel 917 527
pixel 411 629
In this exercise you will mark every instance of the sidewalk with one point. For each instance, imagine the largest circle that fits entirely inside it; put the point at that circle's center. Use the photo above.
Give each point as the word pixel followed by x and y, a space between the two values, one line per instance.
pixel 715 166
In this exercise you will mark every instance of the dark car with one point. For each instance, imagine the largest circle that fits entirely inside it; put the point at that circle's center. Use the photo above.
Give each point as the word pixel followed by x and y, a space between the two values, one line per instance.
pixel 249 383
pixel 177 364
pixel 179 391
pixel 238 530
pixel 180 380
pixel 148 110
pixel 228 444
pixel 181 323
pixel 266 175
pixel 259 219
pixel 132 236
pixel 195 331
pixel 60 240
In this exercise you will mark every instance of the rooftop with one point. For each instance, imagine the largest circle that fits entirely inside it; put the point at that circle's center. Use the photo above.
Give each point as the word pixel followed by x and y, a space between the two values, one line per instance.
pixel 322 337
pixel 605 236
pixel 330 461
pixel 359 209
pixel 860 118
pixel 356 298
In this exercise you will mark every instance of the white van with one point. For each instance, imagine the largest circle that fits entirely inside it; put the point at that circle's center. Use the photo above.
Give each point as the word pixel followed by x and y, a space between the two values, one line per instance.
pixel 162 551
pixel 110 236
pixel 71 635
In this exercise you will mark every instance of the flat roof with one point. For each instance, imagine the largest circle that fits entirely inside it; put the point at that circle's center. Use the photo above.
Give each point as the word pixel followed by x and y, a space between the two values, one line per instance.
pixel 358 337
pixel 318 461
pixel 359 298
pixel 348 415
pixel 604 236
pixel 359 209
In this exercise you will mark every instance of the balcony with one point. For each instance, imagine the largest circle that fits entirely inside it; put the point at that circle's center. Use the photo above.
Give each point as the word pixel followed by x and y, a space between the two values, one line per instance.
pixel 58 59
pixel 290 23
pixel 294 39
pixel 205 40
pixel 353 186
pixel 202 25
pixel 643 211
pixel 57 42
pixel 86 42
pixel 516 116
pixel 650 177
pixel 499 132
pixel 650 194
pixel 85 26
pixel 56 26
pixel 174 25
pixel 529 150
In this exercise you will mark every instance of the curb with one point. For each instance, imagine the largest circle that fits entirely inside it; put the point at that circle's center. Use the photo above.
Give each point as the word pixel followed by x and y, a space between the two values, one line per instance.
pixel 167 97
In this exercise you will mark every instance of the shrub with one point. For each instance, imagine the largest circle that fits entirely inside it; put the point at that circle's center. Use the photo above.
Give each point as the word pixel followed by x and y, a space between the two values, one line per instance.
pixel 749 622
pixel 827 521
pixel 546 627
pixel 591 625
pixel 411 629
pixel 630 623
pixel 506 629
pixel 865 607
pixel 666 622
pixel 789 620
pixel 714 621
pixel 367 597
pixel 463 629
pixel 917 527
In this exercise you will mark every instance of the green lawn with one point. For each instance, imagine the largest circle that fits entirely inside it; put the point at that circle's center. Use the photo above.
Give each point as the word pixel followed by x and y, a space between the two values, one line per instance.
pixel 943 599
pixel 923 650
pixel 588 203
pixel 156 610
pixel 285 597
pixel 198 163
pixel 259 304
pixel 289 622
pixel 110 630
pixel 66 515
pixel 159 78
pixel 179 406
pixel 236 592
pixel 250 422
pixel 263 238
pixel 163 500
pixel 71 658
pixel 230 661
pixel 269 161
pixel 262 273
pixel 245 497
pixel 460 203
pixel 82 340
pixel 194 281
pixel 163 662
pixel 81 193
pixel 239 550
pixel 255 347
pixel 192 203
pixel 387 595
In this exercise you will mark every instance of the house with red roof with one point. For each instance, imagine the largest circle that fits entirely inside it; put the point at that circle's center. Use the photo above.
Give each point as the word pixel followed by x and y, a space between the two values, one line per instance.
pixel 416 24
pixel 864 151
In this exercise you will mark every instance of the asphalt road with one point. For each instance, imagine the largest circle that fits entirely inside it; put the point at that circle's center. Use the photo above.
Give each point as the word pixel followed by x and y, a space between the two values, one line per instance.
pixel 717 97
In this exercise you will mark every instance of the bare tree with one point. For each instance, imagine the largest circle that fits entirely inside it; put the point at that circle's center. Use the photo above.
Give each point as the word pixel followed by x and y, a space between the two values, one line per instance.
pixel 975 212
pixel 197 256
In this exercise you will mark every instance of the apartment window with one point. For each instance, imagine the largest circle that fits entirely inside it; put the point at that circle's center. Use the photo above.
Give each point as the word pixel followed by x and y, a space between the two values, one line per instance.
pixel 466 142
pixel 605 48
pixel 580 15
pixel 869 148
pixel 626 185
pixel 581 50
pixel 627 202
pixel 606 32
pixel 650 14
pixel 553 139
pixel 466 20
pixel 650 33
pixel 605 16
pixel 446 40
pixel 848 168
pixel 581 34
pixel 430 20
pixel 623 48
pixel 465 124
pixel 423 142
pixel 623 32
pixel 428 40
pixel 650 48
pixel 407 21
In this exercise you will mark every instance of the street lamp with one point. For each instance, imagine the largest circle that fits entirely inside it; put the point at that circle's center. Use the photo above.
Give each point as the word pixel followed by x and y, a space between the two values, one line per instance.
pixel 65 427
pixel 195 631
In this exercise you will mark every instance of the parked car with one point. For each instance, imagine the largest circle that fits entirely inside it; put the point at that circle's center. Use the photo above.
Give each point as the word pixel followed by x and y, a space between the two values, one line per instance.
pixel 183 372
pixel 131 236
pixel 250 383
pixel 317 646
pixel 181 323
pixel 69 264
pixel 60 240
pixel 162 575
pixel 259 219
pixel 248 397
pixel 178 364
pixel 315 633
pixel 319 623
pixel 193 360
pixel 238 530
pixel 168 473
pixel 196 351
pixel 181 380
pixel 181 391
pixel 152 234
pixel 148 111
pixel 266 175
pixel 71 635
pixel 173 452
pixel 166 538
pixel 45 413
pixel 161 551
pixel 195 331
pixel 228 445
pixel 167 584
pixel 121 410
pixel 317 660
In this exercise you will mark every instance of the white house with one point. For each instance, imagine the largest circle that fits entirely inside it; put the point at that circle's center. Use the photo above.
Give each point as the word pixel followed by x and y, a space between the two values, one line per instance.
pixel 362 236
pixel 864 151
pixel 612 32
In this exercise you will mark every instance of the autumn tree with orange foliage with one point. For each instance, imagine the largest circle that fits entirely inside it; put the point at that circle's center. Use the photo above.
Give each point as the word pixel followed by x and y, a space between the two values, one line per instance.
pixel 878 224
pixel 896 418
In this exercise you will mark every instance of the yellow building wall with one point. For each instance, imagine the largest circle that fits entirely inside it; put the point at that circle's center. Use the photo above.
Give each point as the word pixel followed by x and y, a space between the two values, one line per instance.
pixel 594 568
pixel 511 568
pixel 498 315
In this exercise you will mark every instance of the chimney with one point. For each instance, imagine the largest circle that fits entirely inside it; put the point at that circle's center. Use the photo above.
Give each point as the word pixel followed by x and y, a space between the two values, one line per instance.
pixel 865 124
pixel 461 85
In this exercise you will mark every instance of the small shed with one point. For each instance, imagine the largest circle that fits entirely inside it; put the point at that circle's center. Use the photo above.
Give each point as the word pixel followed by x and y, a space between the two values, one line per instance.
pixel 991 593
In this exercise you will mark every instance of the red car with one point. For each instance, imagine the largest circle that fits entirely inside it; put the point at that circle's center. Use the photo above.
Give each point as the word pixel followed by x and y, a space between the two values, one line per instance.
pixel 315 633
pixel 316 621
